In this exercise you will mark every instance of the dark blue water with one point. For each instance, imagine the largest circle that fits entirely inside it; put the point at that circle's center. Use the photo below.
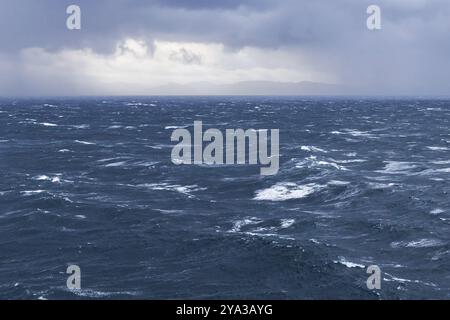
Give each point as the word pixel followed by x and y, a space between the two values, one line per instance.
pixel 90 182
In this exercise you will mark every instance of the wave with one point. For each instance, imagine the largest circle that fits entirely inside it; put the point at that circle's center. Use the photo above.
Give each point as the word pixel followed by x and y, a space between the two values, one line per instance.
pixel 355 133
pixel 32 192
pixel 437 211
pixel 422 243
pixel 80 126
pixel 441 162
pixel 116 164
pixel 286 191
pixel 312 162
pixel 286 223
pixel 397 167
pixel 244 222
pixel 186 190
pixel 126 162
pixel 84 142
pixel 338 183
pixel 438 148
pixel 312 149
pixel 89 293
pixel 255 227
pixel 349 264
pixel 48 124
pixel 175 127
pixel 402 280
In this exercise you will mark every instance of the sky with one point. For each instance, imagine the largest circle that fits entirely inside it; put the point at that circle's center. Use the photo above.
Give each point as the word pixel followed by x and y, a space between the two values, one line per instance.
pixel 132 47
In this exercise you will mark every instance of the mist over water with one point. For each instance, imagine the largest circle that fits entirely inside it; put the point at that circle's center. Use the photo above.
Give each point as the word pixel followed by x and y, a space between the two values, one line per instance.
pixel 90 182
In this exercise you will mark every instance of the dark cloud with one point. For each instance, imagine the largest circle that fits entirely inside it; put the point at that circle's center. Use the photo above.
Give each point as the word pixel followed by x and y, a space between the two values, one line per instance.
pixel 209 4
pixel 236 23
pixel 27 23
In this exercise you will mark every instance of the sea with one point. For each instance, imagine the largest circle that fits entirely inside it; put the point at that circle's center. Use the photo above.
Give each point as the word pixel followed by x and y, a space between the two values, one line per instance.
pixel 90 182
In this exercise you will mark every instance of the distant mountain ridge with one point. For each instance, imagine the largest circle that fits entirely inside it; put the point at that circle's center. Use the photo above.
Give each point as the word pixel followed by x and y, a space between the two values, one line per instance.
pixel 252 88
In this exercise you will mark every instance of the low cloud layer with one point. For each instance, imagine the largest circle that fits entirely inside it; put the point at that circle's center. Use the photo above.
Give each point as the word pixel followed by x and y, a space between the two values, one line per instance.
pixel 131 46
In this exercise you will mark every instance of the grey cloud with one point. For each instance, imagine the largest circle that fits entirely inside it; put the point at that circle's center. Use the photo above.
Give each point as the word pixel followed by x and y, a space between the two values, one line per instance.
pixel 185 56
pixel 209 4
pixel 409 54
pixel 236 23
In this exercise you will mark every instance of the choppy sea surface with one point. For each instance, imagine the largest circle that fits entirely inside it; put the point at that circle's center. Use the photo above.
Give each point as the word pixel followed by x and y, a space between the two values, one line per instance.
pixel 90 182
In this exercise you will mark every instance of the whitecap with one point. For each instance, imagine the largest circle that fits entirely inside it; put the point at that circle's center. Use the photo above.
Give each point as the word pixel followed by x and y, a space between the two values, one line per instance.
pixel 396 167
pixel 338 183
pixel 47 124
pixel 32 192
pixel 155 147
pixel 146 163
pixel 139 104
pixel 174 127
pixel 402 280
pixel 55 179
pixel 42 178
pixel 437 211
pixel 286 223
pixel 376 185
pixel 84 142
pixel 442 162
pixel 167 211
pixel 286 191
pixel 438 148
pixel 349 161
pixel 422 243
pixel 237 226
pixel 89 293
pixel 355 133
pixel 261 231
pixel 110 159
pixel 432 171
pixel 270 235
pixel 312 149
pixel 180 161
pixel 312 162
pixel 349 264
pixel 81 126
pixel 187 190
pixel 116 164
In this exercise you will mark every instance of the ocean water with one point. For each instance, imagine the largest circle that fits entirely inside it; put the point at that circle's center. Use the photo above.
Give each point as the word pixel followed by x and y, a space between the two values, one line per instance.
pixel 90 182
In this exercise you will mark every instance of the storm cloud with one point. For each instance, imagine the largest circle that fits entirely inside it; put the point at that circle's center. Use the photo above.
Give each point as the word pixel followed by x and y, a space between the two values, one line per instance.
pixel 182 41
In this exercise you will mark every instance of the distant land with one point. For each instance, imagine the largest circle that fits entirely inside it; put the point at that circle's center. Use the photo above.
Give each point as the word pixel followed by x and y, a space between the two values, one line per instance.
pixel 252 88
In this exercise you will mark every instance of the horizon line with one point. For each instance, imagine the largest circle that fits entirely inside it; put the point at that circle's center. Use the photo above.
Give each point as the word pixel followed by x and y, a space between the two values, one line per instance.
pixel 368 96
